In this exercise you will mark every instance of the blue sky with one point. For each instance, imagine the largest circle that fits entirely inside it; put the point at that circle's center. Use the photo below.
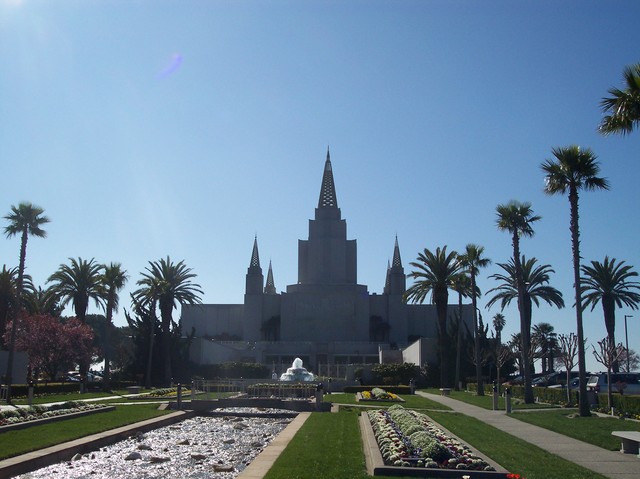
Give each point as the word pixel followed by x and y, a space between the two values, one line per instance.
pixel 155 128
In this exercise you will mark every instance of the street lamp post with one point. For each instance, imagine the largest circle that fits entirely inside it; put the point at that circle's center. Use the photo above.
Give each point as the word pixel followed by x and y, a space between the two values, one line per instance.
pixel 626 339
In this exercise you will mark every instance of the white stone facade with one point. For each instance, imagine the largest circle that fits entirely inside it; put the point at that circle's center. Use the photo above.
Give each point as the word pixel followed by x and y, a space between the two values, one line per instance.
pixel 326 318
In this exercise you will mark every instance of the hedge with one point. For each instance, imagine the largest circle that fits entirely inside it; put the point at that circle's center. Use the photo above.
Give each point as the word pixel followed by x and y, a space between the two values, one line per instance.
pixel 22 390
pixel 234 369
pixel 627 405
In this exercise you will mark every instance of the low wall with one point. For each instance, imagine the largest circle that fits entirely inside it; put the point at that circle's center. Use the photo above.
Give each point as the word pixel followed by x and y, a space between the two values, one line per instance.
pixel 199 405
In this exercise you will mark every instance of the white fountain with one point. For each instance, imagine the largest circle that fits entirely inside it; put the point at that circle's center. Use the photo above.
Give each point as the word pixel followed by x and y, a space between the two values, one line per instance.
pixel 297 373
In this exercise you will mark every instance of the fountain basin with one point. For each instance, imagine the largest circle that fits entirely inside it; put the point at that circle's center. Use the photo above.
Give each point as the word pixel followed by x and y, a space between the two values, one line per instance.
pixel 297 372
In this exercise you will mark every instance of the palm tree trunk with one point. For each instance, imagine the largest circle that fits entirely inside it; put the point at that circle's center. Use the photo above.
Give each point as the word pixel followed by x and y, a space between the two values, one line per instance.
pixel 17 313
pixel 458 343
pixel 165 314
pixel 476 336
pixel 524 322
pixel 106 379
pixel 583 401
pixel 152 327
pixel 441 299
pixel 609 309
pixel 80 306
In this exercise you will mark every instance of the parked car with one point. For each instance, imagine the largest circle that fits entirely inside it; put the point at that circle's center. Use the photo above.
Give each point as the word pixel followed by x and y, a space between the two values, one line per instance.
pixel 625 383
pixel 546 380
pixel 92 376
pixel 574 384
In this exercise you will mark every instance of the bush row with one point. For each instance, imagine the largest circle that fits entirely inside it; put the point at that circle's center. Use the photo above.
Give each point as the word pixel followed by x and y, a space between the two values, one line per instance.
pixel 234 369
pixel 22 390
pixel 625 405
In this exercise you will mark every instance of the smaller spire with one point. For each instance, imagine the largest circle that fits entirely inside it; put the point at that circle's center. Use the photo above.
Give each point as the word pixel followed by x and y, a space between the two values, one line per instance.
pixel 270 287
pixel 328 189
pixel 397 261
pixel 255 257
pixel 386 282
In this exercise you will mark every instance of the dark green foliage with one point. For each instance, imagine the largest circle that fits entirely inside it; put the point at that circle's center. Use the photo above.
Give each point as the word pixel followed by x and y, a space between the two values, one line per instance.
pixel 235 369
pixel 140 323
pixel 430 447
pixel 393 374
pixel 623 404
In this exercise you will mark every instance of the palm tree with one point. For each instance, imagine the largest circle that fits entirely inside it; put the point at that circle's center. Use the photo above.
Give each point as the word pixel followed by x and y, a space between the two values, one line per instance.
pixel 24 220
pixel 498 325
pixel 536 279
pixel 536 286
pixel 575 169
pixel 113 280
pixel 547 338
pixel 472 260
pixel 78 283
pixel 623 107
pixel 517 218
pixel 169 284
pixel 609 283
pixel 41 301
pixel 434 274
pixel 461 284
pixel 7 297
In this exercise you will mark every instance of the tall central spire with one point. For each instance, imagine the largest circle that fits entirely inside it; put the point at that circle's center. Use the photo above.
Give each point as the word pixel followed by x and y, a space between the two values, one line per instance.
pixel 328 189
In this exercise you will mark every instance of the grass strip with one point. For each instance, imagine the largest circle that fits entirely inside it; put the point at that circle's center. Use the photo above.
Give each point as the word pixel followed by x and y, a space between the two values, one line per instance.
pixel 411 401
pixel 515 454
pixel 327 446
pixel 595 429
pixel 14 443
pixel 486 401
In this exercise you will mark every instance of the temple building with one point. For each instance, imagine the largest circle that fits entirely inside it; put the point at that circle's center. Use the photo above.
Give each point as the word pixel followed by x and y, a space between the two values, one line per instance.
pixel 326 318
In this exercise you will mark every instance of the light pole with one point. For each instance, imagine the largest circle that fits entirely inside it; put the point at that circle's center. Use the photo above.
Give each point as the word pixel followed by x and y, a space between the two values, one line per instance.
pixel 626 339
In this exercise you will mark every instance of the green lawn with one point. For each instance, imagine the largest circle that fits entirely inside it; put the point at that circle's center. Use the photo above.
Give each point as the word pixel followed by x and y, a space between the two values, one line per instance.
pixel 486 401
pixel 595 430
pixel 514 454
pixel 328 446
pixel 13 443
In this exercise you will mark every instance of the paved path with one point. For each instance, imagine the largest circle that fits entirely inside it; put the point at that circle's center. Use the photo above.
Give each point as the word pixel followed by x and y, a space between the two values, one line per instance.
pixel 615 465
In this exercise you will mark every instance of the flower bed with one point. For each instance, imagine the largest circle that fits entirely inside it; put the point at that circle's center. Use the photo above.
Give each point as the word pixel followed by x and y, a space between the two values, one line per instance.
pixel 162 393
pixel 409 439
pixel 378 394
pixel 302 390
pixel 20 416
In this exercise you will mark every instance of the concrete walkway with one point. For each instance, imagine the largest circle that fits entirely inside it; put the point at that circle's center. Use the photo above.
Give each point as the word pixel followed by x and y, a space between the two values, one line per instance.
pixel 615 465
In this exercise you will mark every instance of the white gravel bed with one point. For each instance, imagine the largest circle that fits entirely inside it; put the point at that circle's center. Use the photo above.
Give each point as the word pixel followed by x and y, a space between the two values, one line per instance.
pixel 197 448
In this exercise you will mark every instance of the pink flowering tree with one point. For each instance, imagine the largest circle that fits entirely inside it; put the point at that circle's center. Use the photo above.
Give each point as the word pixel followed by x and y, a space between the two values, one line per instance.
pixel 54 345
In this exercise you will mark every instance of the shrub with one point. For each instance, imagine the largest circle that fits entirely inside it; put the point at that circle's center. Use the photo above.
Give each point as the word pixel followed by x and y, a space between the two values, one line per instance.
pixel 234 369
pixel 392 374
